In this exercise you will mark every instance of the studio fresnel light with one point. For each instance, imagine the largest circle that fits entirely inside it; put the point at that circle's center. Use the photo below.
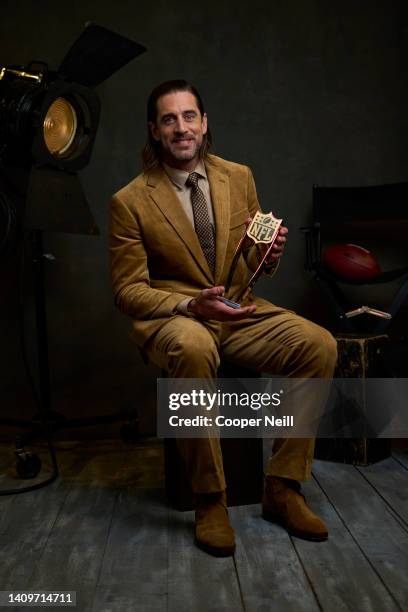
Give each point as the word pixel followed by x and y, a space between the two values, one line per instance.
pixel 45 120
pixel 60 127
pixel 48 124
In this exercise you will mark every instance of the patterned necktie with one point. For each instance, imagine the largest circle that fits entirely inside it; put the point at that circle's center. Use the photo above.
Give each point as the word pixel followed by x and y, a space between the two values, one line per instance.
pixel 203 227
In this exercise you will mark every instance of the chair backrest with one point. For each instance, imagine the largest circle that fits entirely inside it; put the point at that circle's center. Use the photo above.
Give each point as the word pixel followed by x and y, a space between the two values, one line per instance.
pixel 355 212
pixel 374 217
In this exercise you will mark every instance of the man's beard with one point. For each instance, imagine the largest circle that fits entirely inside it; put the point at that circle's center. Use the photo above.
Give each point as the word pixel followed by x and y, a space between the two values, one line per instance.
pixel 187 154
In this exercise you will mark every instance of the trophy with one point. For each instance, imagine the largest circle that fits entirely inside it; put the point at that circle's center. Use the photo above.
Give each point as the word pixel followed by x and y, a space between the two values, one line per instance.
pixel 262 230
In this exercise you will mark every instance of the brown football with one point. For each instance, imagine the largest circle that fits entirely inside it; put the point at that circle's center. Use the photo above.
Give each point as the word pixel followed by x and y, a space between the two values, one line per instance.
pixel 351 262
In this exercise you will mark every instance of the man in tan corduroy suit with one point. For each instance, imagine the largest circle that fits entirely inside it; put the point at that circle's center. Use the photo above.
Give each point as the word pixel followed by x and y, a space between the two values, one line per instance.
pixel 170 262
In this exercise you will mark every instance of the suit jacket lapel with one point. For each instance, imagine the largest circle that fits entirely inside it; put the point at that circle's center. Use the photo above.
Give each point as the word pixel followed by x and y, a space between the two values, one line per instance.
pixel 220 196
pixel 162 193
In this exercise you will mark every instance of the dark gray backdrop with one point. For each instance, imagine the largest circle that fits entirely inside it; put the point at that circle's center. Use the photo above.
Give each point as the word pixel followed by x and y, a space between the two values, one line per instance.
pixel 304 91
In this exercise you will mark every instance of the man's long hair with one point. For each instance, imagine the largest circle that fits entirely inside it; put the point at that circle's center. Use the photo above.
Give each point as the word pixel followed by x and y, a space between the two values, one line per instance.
pixel 151 153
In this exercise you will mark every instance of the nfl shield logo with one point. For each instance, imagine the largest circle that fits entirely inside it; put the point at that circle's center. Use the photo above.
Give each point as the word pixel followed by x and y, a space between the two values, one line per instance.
pixel 263 228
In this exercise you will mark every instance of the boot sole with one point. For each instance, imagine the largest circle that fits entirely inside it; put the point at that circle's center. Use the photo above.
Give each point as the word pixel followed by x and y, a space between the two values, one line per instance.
pixel 293 532
pixel 215 551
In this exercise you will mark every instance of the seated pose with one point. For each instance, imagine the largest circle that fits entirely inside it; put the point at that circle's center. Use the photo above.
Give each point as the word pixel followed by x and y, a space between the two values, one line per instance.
pixel 174 230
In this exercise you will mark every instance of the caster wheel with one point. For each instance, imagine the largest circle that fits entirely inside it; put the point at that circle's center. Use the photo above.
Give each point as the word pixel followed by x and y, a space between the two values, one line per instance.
pixel 129 432
pixel 28 466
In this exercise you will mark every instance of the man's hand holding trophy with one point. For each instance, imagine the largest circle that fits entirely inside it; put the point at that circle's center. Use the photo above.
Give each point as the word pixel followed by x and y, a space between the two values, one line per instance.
pixel 268 235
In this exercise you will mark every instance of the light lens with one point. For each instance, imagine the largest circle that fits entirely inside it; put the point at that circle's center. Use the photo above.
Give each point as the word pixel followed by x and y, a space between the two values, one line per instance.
pixel 60 126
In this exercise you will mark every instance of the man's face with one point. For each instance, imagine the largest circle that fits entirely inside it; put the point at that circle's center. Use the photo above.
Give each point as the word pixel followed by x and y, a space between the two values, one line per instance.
pixel 180 129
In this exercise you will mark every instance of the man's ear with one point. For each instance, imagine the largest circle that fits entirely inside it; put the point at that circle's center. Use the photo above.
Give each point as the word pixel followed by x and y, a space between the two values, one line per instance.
pixel 153 130
pixel 204 123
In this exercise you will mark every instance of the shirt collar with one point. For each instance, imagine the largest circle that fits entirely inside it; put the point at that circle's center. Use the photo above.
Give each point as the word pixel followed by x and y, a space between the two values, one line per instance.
pixel 179 177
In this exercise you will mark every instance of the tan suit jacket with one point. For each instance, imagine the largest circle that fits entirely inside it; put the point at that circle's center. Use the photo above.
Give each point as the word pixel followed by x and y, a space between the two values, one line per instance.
pixel 157 262
pixel 156 257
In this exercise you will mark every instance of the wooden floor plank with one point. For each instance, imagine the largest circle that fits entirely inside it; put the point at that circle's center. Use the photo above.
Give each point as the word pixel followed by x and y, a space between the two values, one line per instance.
pixel 401 456
pixel 137 547
pixel 121 598
pixel 74 549
pixel 270 574
pixel 25 531
pixel 198 582
pixel 99 462
pixel 339 572
pixel 104 529
pixel 8 480
pixel 27 520
pixel 79 534
pixel 84 599
pixel 144 466
pixel 390 479
pixel 380 536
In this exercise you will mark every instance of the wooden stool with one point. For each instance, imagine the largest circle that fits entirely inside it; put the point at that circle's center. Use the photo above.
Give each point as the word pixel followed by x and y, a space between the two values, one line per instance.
pixel 358 357
pixel 242 458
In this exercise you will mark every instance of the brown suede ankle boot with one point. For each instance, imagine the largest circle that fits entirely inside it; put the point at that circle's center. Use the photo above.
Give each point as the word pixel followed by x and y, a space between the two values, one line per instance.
pixel 213 532
pixel 283 503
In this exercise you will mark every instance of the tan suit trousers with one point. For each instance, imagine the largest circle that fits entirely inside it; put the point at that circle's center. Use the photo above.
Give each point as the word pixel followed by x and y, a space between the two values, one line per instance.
pixel 272 340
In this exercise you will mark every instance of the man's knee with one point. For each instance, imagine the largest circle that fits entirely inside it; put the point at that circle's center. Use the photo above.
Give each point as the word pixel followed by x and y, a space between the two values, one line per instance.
pixel 319 351
pixel 313 354
pixel 195 354
pixel 331 348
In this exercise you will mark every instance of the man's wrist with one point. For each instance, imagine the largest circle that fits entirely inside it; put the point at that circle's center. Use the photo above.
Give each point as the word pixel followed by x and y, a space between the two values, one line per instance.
pixel 182 308
pixel 271 267
pixel 271 263
pixel 191 305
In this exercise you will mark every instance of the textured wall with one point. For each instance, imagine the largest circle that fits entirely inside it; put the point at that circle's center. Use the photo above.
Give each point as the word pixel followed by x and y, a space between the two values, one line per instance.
pixel 303 91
